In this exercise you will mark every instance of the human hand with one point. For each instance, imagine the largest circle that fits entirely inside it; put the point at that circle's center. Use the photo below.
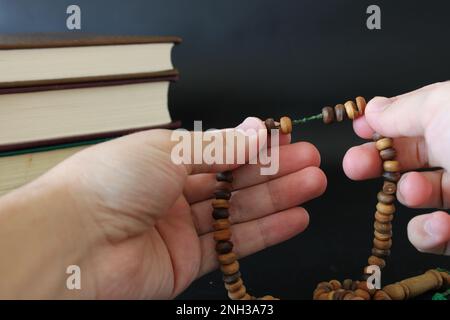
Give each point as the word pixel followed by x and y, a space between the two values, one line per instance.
pixel 419 122
pixel 143 225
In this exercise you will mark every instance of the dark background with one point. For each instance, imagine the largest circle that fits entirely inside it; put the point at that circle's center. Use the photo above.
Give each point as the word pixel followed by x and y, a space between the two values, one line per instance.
pixel 270 58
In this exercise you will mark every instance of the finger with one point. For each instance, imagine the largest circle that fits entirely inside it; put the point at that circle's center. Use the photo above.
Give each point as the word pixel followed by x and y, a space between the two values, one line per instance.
pixel 431 232
pixel 362 128
pixel 292 158
pixel 263 199
pixel 364 162
pixel 425 189
pixel 407 115
pixel 253 236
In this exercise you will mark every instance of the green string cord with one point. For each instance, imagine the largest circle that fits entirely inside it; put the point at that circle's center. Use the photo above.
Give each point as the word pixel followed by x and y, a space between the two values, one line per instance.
pixel 306 119
pixel 441 295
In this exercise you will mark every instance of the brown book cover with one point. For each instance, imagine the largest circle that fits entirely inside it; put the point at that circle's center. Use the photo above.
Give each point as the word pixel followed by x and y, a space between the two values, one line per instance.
pixel 58 40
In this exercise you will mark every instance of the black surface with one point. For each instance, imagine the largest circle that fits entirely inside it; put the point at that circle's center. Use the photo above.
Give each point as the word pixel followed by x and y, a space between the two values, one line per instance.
pixel 269 58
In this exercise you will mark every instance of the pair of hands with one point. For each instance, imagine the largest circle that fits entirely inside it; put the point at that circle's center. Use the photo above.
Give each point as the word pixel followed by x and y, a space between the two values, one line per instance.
pixel 140 226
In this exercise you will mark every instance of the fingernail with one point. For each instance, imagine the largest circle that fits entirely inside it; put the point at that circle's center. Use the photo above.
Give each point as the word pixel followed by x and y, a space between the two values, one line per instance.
pixel 431 226
pixel 378 104
pixel 250 126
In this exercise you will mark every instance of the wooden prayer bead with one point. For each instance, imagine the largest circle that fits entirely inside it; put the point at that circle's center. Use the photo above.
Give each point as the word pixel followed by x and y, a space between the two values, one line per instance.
pixel 230 268
pixel 382 245
pixel 373 260
pixel 376 136
pixel 270 124
pixel 339 111
pixel 223 186
pixel 383 143
pixel 382 236
pixel 335 284
pixel 220 203
pixel 330 295
pixel 246 297
pixel 318 292
pixel 389 187
pixel 223 247
pixel 226 176
pixel 381 253
pixel 383 227
pixel 385 208
pixel 222 235
pixel 285 125
pixel 383 218
pixel 238 294
pixel 351 109
pixel 227 258
pixel 232 278
pixel 221 224
pixel 381 295
pixel 392 176
pixel 391 166
pixel 388 154
pixel 234 286
pixel 361 104
pixel 362 294
pixel 327 115
pixel 323 296
pixel 339 294
pixel 268 298
pixel 362 285
pixel 326 285
pixel 220 213
pixel 385 198
pixel 222 194
pixel 349 296
pixel 347 284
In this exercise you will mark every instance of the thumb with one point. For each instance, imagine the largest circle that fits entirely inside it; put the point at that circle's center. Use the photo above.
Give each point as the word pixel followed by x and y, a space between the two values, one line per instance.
pixel 431 232
pixel 410 114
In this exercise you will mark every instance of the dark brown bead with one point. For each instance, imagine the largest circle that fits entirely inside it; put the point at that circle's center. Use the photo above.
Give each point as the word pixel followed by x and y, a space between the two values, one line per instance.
pixel 391 176
pixel 220 213
pixel 383 245
pixel 335 284
pixel 385 198
pixel 339 111
pixel 222 194
pixel 223 186
pixel 380 253
pixel 225 176
pixel 231 278
pixel 388 154
pixel 383 218
pixel 327 115
pixel 270 124
pixel 389 187
pixel 223 247
pixel 382 236
pixel 347 284
pixel 376 136
pixel 339 294
pixel 383 228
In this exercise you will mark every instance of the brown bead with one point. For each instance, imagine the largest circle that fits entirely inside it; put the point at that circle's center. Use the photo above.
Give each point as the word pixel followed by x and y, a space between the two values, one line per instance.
pixel 381 253
pixel 227 258
pixel 389 187
pixel 339 111
pixel 392 176
pixel 226 176
pixel 388 154
pixel 326 285
pixel 327 115
pixel 238 294
pixel 231 278
pixel 335 284
pixel 270 124
pixel 223 186
pixel 268 298
pixel 223 247
pixel 318 292
pixel 384 143
pixel 246 297
pixel 362 285
pixel 339 294
pixel 220 213
pixel 382 227
pixel 347 284
pixel 385 198
pixel 382 236
pixel 361 104
pixel 323 296
pixel 382 245
pixel 385 208
pixel 222 194
pixel 220 203
pixel 285 125
pixel 230 268
pixel 234 286
pixel 373 260
pixel 349 296
pixel 381 295
pixel 383 218
pixel 357 298
pixel 376 136
pixel 351 109
pixel 221 224
pixel 362 294
pixel 222 235
pixel 391 166
pixel 331 295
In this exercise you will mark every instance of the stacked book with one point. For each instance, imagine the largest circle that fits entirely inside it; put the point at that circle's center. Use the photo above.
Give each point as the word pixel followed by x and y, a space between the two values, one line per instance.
pixel 59 94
